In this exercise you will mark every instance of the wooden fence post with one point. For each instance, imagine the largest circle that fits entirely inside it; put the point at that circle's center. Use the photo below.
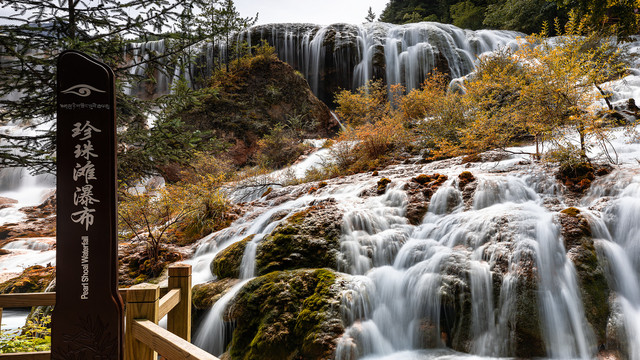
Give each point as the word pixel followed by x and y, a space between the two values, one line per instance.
pixel 142 303
pixel 179 319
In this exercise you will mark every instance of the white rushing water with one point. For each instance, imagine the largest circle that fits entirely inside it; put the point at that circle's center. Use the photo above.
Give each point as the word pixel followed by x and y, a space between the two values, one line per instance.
pixel 406 279
pixel 402 54
pixel 617 227
pixel 18 184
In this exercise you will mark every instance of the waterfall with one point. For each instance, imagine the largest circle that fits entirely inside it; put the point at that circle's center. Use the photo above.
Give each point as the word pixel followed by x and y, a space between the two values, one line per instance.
pixel 406 283
pixel 17 183
pixel 342 56
pixel 618 231
pixel 213 333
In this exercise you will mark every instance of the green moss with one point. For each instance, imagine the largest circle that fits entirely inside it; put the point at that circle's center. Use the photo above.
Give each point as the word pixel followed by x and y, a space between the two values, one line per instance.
pixel 227 262
pixel 205 295
pixel 286 314
pixel 298 217
pixel 422 179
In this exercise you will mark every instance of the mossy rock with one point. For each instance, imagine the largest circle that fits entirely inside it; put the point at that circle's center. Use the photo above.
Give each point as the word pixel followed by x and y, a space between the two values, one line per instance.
pixel 33 279
pixel 422 179
pixel 594 289
pixel 576 177
pixel 227 262
pixel 528 337
pixel 419 191
pixel 571 211
pixel 455 303
pixel 286 315
pixel 254 97
pixel 204 296
pixel 307 239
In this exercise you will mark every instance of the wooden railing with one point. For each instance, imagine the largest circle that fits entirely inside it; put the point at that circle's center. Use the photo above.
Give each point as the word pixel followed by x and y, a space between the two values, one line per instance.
pixel 144 339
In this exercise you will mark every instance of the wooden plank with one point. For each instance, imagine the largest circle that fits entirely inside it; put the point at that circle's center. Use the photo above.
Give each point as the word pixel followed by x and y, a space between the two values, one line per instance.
pixel 180 270
pixel 123 294
pixel 179 319
pixel 27 300
pixel 36 299
pixel 142 293
pixel 170 346
pixel 40 355
pixel 142 303
pixel 168 302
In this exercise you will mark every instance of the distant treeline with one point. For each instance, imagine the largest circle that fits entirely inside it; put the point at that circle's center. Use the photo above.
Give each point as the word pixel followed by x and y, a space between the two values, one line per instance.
pixel 527 16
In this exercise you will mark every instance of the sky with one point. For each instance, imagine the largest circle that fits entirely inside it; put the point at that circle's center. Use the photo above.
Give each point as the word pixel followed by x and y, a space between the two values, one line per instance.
pixel 322 12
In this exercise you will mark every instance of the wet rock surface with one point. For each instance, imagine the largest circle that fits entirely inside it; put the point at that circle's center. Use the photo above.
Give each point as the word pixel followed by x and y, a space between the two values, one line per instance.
pixel 307 239
pixel 286 315
pixel 578 240
pixel 33 279
pixel 40 222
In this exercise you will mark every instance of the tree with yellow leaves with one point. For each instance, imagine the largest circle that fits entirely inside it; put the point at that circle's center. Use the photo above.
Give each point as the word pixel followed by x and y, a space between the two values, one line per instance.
pixel 546 86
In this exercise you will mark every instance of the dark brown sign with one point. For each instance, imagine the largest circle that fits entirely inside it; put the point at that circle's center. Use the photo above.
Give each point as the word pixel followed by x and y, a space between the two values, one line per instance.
pixel 88 318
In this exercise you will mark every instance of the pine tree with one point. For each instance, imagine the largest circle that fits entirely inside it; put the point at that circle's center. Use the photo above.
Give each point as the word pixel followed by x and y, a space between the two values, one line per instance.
pixel 371 16
pixel 219 20
pixel 32 37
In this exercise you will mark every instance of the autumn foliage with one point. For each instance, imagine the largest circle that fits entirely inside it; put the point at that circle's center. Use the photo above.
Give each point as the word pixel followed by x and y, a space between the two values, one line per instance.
pixel 542 93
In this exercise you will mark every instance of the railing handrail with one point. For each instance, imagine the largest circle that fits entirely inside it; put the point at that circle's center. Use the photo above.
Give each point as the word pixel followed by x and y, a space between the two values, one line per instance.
pixel 166 343
pixel 143 337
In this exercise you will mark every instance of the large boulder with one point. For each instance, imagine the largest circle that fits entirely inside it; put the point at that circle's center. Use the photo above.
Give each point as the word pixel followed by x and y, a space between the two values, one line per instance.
pixel 204 296
pixel 307 239
pixel 7 202
pixel 287 315
pixel 260 94
pixel 40 222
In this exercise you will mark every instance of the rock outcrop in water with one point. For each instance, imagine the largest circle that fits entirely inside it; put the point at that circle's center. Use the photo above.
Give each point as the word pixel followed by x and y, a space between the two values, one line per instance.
pixel 287 314
pixel 33 279
pixel 264 93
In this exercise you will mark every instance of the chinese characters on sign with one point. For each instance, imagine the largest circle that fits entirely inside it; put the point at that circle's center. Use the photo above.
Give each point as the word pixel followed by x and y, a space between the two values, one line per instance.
pixel 83 173
pixel 87 321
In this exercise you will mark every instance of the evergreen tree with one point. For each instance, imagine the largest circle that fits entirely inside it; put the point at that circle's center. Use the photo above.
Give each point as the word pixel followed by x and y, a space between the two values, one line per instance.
pixel 219 19
pixel 31 39
pixel 371 16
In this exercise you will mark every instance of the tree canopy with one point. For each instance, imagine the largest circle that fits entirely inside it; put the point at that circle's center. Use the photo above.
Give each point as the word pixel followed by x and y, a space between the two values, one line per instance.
pixel 527 16
pixel 110 31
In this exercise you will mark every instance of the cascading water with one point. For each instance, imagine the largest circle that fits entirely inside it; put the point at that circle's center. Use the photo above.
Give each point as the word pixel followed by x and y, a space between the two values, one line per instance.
pixel 410 290
pixel 17 183
pixel 492 261
pixel 346 56
pixel 402 54
pixel 618 231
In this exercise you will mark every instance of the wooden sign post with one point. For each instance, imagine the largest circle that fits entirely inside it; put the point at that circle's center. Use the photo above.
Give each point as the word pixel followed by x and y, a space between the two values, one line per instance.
pixel 88 318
